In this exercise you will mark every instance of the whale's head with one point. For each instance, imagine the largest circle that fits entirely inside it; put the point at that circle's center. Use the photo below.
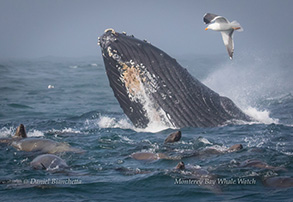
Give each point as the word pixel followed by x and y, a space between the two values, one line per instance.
pixel 105 40
pixel 121 49
pixel 129 69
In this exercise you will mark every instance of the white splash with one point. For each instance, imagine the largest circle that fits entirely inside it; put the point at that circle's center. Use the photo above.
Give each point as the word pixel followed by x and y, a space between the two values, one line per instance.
pixel 256 141
pixel 35 133
pixel 126 139
pixel 65 130
pixel 124 123
pixel 110 122
pixel 251 78
pixel 204 140
pixel 153 127
pixel 218 148
pixel 6 132
pixel 261 116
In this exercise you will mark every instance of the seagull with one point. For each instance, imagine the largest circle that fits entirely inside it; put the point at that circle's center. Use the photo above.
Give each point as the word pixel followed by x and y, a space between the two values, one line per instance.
pixel 219 23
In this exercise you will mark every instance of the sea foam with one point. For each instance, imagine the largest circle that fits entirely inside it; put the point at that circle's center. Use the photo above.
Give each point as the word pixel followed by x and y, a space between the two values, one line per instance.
pixel 124 123
pixel 261 116
pixel 35 133
pixel 6 132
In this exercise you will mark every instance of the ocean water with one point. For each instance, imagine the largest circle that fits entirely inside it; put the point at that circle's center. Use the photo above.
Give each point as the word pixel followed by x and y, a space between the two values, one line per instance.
pixel 69 100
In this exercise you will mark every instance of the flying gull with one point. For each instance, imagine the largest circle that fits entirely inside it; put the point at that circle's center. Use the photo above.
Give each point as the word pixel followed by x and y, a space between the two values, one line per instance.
pixel 219 23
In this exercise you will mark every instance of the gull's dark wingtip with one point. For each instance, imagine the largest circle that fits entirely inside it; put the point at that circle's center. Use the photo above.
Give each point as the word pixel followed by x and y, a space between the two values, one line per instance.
pixel 209 17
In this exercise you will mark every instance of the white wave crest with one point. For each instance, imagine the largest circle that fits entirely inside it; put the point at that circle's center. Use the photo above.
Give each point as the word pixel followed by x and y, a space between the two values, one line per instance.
pixel 35 133
pixel 126 139
pixel 124 123
pixel 261 116
pixel 110 122
pixel 6 132
pixel 65 130
pixel 204 140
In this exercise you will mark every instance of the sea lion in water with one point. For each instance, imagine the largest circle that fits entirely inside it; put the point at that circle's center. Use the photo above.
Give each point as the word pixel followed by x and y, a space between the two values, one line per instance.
pixel 19 134
pixel 22 142
pixel 235 147
pixel 131 171
pixel 213 151
pixel 202 176
pixel 43 146
pixel 48 162
pixel 279 182
pixel 148 156
pixel 174 137
pixel 259 164
pixel 180 166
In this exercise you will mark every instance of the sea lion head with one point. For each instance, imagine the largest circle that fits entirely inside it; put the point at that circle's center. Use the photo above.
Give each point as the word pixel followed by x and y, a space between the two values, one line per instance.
pixel 180 166
pixel 174 137
pixel 20 132
pixel 235 147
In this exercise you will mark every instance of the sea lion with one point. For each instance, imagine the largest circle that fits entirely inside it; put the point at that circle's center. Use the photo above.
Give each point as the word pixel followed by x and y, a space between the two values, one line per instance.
pixel 19 134
pixel 21 142
pixel 43 146
pixel 279 182
pixel 203 177
pixel 235 147
pixel 131 171
pixel 214 151
pixel 148 156
pixel 174 137
pixel 253 163
pixel 180 166
pixel 48 162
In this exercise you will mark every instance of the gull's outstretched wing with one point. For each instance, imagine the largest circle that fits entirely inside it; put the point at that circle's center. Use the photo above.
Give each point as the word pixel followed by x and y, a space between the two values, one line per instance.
pixel 228 41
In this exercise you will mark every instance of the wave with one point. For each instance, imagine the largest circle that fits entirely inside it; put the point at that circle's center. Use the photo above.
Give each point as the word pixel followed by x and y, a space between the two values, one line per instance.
pixel 7 132
pixel 19 106
pixel 35 133
pixel 111 122
pixel 64 131
pixel 260 116
pixel 105 121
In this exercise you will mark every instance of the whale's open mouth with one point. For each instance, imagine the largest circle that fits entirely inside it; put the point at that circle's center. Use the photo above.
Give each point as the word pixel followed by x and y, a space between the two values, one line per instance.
pixel 152 87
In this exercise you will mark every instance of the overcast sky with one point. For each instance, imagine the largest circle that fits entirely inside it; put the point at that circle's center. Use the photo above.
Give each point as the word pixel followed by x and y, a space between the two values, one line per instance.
pixel 37 28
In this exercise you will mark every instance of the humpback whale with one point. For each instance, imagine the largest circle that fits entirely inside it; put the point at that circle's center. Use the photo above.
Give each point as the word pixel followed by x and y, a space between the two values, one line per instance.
pixel 151 87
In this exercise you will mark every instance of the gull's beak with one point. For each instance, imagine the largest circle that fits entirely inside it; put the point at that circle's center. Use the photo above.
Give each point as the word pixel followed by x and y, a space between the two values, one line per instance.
pixel 206 29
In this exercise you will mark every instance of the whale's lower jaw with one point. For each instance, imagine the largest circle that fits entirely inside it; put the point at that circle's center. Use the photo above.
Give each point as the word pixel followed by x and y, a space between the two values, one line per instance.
pixel 151 87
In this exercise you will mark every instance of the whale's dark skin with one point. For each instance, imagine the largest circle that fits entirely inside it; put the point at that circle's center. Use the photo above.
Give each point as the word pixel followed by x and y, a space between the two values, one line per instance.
pixel 137 69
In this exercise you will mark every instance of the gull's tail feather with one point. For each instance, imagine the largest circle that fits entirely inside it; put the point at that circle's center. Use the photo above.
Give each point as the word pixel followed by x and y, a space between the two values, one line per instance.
pixel 237 26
